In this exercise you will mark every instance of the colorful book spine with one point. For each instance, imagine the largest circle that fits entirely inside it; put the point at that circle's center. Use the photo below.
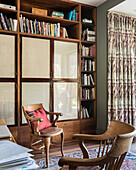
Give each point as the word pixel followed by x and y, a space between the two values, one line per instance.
pixel 3 21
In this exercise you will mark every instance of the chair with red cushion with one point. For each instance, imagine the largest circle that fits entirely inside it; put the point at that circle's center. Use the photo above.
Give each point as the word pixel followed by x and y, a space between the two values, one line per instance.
pixel 41 127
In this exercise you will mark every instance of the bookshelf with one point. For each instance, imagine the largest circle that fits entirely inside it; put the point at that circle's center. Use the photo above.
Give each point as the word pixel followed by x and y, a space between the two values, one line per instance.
pixel 84 93
pixel 88 67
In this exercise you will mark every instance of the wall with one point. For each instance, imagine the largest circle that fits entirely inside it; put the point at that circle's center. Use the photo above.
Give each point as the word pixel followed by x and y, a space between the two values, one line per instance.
pixel 102 63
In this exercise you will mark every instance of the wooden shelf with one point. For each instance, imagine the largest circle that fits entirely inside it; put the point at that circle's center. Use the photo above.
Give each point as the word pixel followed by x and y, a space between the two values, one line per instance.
pixel 87 42
pixel 50 37
pixel 88 24
pixel 88 71
pixel 5 10
pixel 89 57
pixel 63 22
pixel 8 32
pixel 87 100
pixel 88 86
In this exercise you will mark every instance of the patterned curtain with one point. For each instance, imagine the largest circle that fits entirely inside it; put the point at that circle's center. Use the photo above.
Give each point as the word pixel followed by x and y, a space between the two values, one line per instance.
pixel 121 68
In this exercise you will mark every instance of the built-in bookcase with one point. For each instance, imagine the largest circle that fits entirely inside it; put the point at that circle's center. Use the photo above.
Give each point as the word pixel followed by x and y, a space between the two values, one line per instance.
pixel 58 71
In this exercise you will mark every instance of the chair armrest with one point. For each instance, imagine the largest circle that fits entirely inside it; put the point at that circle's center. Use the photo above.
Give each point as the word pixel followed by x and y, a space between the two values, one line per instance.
pixel 84 162
pixel 57 117
pixel 83 137
pixel 54 113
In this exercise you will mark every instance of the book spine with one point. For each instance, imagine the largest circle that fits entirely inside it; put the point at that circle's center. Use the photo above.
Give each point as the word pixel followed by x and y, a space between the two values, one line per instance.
pixel 11 23
pixel 3 22
pixel 15 24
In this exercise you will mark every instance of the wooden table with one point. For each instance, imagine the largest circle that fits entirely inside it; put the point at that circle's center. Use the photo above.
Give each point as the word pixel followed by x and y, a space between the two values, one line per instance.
pixel 2 122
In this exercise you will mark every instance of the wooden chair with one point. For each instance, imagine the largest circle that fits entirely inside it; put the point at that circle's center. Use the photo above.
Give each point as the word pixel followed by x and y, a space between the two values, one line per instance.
pixel 44 134
pixel 113 146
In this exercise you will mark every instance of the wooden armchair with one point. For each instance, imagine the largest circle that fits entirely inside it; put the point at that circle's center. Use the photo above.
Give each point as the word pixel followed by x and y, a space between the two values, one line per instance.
pixel 44 134
pixel 114 145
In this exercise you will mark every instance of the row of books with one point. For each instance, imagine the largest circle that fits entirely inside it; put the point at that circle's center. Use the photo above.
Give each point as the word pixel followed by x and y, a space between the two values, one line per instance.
pixel 6 23
pixel 84 113
pixel 87 79
pixel 87 112
pixel 88 51
pixel 87 65
pixel 87 93
pixel 88 35
pixel 42 28
pixel 73 15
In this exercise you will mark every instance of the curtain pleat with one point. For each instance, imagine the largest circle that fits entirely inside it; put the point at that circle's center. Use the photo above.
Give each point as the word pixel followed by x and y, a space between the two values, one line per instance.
pixel 121 68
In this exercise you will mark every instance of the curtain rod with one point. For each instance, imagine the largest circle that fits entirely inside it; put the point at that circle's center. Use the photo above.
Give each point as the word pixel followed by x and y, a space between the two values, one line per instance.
pixel 120 13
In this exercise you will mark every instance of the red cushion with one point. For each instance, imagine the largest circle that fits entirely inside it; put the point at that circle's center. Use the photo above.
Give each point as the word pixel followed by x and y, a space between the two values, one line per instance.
pixel 40 113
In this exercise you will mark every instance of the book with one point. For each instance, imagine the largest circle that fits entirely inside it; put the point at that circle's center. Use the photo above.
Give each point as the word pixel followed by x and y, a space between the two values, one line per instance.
pixel 21 23
pixel 70 15
pixel 3 21
pixel 15 24
pixel 74 15
pixel 7 22
pixel 0 26
pixel 11 23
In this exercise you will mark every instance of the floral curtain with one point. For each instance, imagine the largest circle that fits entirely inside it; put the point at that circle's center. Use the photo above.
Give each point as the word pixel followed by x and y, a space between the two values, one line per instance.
pixel 121 68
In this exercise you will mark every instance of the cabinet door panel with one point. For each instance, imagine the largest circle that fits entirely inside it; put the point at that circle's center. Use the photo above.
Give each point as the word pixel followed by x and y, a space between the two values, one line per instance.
pixel 65 100
pixel 34 93
pixel 35 58
pixel 7 102
pixel 65 60
pixel 7 56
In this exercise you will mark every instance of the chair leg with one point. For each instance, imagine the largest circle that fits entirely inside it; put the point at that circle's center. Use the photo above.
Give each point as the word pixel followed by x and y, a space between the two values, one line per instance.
pixel 47 146
pixel 62 143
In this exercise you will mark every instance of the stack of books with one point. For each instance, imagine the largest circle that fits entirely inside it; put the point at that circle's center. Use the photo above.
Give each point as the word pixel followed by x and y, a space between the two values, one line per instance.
pixel 87 20
pixel 58 14
pixel 7 23
pixel 88 35
pixel 15 157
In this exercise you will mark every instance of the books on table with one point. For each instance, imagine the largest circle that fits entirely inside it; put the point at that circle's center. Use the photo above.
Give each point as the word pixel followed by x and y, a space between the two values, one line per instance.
pixel 15 157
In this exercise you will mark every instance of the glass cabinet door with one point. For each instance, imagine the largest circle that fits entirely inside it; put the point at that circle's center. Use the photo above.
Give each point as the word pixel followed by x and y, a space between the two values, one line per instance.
pixel 65 67
pixel 65 60
pixel 34 93
pixel 7 102
pixel 7 74
pixel 35 58
pixel 7 56
pixel 65 100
